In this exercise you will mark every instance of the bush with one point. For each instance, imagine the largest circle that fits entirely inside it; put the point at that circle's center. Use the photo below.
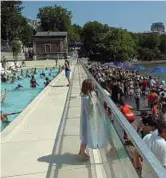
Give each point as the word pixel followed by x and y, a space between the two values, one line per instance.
pixel 16 47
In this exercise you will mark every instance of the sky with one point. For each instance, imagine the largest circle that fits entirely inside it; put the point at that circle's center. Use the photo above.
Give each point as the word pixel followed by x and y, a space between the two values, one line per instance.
pixel 133 16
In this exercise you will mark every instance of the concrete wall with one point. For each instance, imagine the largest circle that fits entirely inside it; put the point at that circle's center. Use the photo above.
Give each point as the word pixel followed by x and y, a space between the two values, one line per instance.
pixel 43 63
pixel 9 56
pixel 40 47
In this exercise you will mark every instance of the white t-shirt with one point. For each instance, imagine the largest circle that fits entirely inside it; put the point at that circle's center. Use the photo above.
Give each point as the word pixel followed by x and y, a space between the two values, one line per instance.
pixel 152 82
pixel 157 145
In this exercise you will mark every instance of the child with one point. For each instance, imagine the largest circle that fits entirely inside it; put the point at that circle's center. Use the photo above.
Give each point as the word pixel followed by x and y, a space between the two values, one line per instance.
pixel 86 106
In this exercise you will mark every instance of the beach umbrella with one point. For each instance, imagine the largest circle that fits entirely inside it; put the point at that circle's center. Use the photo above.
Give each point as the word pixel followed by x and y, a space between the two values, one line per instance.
pixel 138 67
pixel 110 64
pixel 158 70
pixel 127 65
pixel 119 64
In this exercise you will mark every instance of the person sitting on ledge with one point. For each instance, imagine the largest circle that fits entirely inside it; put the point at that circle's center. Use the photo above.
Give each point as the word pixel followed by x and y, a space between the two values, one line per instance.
pixel 4 118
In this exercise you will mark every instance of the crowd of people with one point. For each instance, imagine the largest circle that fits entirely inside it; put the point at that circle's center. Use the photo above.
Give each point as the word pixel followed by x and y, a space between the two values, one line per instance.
pixel 124 85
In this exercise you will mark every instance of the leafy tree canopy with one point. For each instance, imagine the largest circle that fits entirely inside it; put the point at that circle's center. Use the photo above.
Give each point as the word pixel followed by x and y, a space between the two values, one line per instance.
pixel 54 18
pixel 14 25
pixel 11 19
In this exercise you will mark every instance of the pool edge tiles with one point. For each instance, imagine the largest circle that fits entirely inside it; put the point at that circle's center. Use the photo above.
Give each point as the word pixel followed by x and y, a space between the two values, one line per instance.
pixel 18 121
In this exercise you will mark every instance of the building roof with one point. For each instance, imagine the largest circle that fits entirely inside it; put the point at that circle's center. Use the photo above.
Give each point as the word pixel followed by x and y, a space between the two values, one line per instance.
pixel 44 34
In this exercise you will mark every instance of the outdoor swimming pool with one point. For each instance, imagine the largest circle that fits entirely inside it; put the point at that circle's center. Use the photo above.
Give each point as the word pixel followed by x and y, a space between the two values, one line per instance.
pixel 17 100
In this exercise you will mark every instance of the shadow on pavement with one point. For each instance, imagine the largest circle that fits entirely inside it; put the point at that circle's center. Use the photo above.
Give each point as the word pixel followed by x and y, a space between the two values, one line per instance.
pixel 64 159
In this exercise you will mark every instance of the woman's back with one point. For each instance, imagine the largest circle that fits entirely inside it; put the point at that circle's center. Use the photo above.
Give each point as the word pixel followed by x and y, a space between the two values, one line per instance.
pixel 67 66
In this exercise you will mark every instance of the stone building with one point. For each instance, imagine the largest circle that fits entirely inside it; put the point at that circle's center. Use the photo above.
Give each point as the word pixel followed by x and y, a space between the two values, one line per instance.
pixel 50 45
pixel 158 27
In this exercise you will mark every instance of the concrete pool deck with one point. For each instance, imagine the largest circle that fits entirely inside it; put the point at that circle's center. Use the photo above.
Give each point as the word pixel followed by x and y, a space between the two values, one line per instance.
pixel 46 141
pixel 43 63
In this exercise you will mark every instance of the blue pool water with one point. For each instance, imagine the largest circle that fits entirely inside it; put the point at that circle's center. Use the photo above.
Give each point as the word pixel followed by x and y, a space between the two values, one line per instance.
pixel 17 100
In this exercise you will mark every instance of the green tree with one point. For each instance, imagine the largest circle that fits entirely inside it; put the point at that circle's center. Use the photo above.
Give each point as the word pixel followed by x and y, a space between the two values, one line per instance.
pixel 149 46
pixel 26 35
pixel 16 46
pixel 77 29
pixel 11 19
pixel 152 41
pixel 14 25
pixel 146 54
pixel 119 45
pixel 54 18
pixel 92 36
pixel 162 46
pixel 74 34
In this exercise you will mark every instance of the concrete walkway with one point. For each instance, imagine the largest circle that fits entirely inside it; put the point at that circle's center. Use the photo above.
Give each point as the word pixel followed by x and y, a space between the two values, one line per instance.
pixel 46 142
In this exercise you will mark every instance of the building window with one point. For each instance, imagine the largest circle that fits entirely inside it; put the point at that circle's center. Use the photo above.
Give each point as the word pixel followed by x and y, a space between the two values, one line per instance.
pixel 47 48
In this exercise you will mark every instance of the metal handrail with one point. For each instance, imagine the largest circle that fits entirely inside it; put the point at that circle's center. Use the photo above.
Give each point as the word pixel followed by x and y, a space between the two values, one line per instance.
pixel 153 163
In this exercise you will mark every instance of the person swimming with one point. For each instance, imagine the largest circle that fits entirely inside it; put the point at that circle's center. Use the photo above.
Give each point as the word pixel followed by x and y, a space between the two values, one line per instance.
pixel 47 81
pixel 22 73
pixel 33 82
pixel 18 87
pixel 35 71
pixel 14 75
pixel 19 78
pixel 27 74
pixel 42 74
pixel 4 78
pixel 12 79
